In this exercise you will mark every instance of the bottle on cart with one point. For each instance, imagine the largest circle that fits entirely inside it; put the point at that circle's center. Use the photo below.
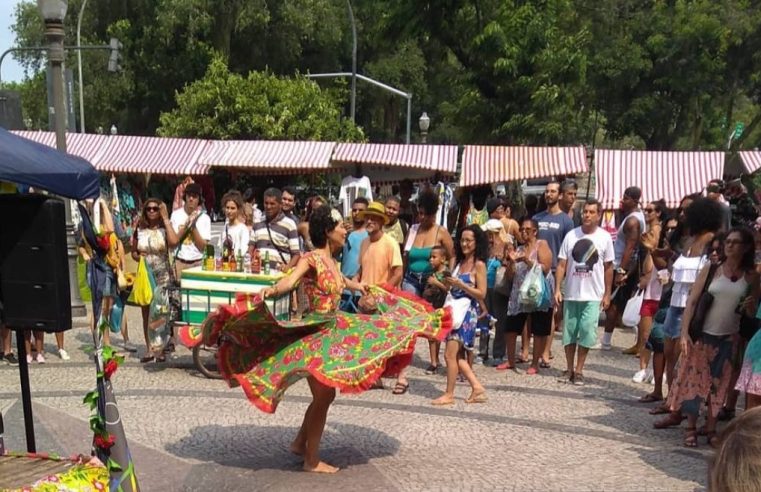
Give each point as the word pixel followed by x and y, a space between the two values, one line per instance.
pixel 204 260
pixel 266 268
pixel 218 261
pixel 208 258
pixel 239 261
pixel 247 262
pixel 233 264
pixel 256 262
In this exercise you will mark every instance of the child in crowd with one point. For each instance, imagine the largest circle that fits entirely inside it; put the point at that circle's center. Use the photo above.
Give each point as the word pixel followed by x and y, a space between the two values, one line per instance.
pixel 436 290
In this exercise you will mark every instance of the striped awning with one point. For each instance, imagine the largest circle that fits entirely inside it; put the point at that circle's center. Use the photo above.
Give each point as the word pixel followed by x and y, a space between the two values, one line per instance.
pixel 269 155
pixel 84 145
pixel 154 155
pixel 482 164
pixel 661 175
pixel 441 158
pixel 751 160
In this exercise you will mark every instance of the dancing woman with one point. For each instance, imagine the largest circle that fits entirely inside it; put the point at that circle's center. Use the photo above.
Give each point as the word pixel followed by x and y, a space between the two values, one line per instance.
pixel 333 349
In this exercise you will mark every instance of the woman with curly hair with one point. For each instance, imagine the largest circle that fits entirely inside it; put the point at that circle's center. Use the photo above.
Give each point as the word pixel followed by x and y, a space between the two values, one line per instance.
pixel 333 349
pixel 467 286
pixel 702 219
pixel 421 239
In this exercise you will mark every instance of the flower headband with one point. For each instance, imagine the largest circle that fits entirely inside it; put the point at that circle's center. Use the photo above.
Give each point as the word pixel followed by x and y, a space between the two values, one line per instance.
pixel 336 216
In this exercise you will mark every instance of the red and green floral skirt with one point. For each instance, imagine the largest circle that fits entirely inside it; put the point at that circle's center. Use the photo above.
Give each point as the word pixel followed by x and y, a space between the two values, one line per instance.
pixel 349 352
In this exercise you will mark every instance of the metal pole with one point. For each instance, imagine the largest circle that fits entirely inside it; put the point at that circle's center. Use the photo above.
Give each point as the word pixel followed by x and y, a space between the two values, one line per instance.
pixel 54 33
pixel 409 116
pixel 79 69
pixel 353 104
pixel 26 392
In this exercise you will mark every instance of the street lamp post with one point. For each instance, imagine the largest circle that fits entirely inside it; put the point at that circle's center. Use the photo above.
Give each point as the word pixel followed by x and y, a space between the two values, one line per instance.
pixel 425 123
pixel 53 12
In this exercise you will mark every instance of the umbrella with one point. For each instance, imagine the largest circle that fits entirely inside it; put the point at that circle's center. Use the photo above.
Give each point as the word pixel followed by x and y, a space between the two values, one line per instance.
pixel 30 163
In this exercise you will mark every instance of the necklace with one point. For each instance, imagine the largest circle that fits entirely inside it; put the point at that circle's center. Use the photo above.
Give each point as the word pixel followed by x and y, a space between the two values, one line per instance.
pixel 734 275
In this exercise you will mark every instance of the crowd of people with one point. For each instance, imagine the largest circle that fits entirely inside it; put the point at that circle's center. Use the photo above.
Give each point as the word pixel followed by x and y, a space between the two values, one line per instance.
pixel 690 276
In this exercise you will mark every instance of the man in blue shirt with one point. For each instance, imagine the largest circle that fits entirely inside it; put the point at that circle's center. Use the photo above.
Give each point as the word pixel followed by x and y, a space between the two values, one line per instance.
pixel 554 224
pixel 350 256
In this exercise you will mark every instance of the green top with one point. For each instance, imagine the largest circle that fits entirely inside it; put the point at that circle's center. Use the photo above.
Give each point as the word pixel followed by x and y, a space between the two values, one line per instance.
pixel 418 260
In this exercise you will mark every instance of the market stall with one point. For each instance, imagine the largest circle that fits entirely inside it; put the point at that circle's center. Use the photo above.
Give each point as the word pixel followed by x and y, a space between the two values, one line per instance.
pixel 661 175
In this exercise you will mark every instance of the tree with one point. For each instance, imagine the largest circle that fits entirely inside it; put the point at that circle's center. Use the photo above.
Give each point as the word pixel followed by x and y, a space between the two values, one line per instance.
pixel 225 105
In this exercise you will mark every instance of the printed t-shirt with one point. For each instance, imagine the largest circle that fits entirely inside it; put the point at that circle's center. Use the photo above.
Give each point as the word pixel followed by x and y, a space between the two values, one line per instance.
pixel 188 250
pixel 378 258
pixel 350 257
pixel 553 228
pixel 586 255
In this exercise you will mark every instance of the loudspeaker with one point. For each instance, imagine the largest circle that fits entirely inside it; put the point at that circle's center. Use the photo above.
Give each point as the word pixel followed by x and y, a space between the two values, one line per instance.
pixel 34 276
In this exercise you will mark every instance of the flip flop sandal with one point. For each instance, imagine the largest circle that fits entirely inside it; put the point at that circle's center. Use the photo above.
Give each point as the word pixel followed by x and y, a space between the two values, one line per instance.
pixel 146 359
pixel 521 360
pixel 479 398
pixel 650 398
pixel 691 438
pixel 400 388
pixel 544 365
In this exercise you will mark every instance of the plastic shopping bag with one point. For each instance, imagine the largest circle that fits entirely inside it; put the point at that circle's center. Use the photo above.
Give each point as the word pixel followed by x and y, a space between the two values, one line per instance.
pixel 144 286
pixel 545 301
pixel 631 314
pixel 159 322
pixel 532 288
pixel 117 313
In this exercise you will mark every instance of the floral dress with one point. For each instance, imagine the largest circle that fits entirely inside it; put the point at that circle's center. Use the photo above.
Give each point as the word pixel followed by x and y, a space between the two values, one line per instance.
pixel 466 309
pixel 346 351
pixel 152 244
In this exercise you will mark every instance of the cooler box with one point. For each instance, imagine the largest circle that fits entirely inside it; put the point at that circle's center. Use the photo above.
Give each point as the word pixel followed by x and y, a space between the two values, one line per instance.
pixel 203 291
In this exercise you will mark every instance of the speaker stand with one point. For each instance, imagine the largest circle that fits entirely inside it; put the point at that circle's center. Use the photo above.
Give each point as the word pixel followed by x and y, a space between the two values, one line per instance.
pixel 26 392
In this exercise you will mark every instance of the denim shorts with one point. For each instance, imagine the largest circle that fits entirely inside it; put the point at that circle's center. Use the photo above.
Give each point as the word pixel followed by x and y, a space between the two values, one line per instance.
pixel 414 283
pixel 672 326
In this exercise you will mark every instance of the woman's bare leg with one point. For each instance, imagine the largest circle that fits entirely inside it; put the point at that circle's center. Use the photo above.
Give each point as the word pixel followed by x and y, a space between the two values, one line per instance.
pixel 450 356
pixel 433 348
pixel 59 339
pixel 643 333
pixel 536 355
pixel 467 371
pixel 511 342
pixel 525 340
pixel 314 425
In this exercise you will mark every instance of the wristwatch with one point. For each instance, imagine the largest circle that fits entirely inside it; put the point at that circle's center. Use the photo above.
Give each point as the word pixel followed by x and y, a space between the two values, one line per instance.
pixel 621 271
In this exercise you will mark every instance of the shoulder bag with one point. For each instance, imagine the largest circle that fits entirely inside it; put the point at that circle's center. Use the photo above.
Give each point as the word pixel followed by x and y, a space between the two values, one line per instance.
pixel 702 307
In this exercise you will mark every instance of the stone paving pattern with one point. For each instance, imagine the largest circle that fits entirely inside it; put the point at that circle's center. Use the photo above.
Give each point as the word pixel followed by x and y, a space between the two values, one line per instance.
pixel 190 433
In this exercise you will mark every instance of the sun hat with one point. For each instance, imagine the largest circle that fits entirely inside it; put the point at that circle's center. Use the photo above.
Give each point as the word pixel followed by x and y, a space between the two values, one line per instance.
pixel 376 209
pixel 496 225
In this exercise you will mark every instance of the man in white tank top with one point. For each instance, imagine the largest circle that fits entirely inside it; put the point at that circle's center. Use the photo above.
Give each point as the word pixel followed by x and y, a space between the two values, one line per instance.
pixel 626 262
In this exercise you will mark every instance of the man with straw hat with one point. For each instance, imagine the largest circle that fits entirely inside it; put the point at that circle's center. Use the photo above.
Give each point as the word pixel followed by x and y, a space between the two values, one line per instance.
pixel 380 262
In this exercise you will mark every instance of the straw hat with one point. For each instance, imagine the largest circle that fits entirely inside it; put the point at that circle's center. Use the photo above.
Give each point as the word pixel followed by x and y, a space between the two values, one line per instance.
pixel 376 209
pixel 496 225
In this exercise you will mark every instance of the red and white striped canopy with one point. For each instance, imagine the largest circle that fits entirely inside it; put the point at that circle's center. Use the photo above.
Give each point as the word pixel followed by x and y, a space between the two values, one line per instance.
pixel 154 155
pixel 661 175
pixel 751 160
pixel 279 155
pixel 482 164
pixel 441 158
pixel 84 145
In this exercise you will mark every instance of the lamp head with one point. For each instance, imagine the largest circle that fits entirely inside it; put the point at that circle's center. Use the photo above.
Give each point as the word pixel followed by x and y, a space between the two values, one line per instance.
pixel 113 130
pixel 53 10
pixel 424 122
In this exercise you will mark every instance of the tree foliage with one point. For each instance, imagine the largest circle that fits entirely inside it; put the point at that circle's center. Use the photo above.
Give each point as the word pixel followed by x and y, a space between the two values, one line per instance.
pixel 224 105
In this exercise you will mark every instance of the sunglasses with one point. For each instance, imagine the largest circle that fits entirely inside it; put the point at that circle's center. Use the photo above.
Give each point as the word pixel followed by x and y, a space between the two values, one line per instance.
pixel 649 210
pixel 152 209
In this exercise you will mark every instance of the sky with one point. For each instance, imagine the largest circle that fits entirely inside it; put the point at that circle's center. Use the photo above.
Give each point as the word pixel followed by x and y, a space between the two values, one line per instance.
pixel 11 71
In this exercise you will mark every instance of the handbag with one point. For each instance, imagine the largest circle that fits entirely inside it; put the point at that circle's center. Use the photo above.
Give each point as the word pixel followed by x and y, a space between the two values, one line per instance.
pixel 631 314
pixel 503 283
pixel 702 307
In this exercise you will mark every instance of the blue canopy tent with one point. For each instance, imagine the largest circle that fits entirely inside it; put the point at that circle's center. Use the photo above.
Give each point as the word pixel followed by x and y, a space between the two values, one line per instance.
pixel 30 163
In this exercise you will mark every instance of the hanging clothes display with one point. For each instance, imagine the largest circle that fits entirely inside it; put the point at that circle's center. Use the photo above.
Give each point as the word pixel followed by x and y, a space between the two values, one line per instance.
pixel 445 193
pixel 353 187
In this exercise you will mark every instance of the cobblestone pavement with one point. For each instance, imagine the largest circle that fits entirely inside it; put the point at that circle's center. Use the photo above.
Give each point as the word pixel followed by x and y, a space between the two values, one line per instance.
pixel 191 433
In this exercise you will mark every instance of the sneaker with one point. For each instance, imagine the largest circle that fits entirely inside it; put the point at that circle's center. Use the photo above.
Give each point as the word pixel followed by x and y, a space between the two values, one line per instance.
pixel 649 377
pixel 578 379
pixel 64 355
pixel 11 359
pixel 566 378
pixel 605 346
pixel 639 376
pixel 478 360
pixel 28 358
pixel 40 358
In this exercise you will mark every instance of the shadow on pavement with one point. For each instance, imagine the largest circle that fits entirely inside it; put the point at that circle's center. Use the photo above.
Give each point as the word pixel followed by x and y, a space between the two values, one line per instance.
pixel 266 448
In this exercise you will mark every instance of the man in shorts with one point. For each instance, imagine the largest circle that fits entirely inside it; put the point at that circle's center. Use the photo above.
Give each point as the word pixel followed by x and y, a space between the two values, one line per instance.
pixel 583 281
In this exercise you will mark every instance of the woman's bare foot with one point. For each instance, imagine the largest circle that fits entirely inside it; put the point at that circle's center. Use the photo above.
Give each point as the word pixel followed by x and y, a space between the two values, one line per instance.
pixel 443 400
pixel 320 467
